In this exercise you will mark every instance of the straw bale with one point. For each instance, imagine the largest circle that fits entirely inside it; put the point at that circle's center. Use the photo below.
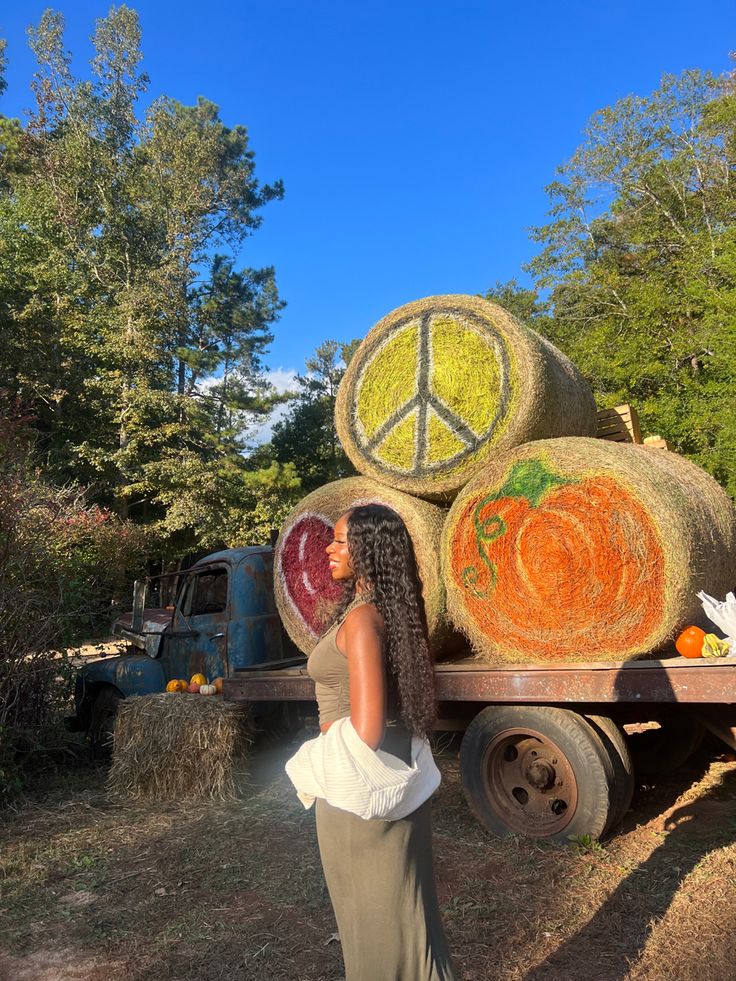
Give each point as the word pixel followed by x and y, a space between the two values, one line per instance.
pixel 443 384
pixel 578 549
pixel 173 746
pixel 306 595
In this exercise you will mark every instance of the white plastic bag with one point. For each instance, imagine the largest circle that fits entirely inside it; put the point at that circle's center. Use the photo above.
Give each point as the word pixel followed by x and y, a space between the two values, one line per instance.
pixel 722 613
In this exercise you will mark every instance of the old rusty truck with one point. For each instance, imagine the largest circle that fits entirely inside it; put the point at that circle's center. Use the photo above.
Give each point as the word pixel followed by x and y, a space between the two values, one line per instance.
pixel 214 618
pixel 552 751
pixel 546 751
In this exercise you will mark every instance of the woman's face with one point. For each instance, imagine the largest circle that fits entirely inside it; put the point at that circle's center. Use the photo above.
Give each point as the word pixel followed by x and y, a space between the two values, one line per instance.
pixel 338 552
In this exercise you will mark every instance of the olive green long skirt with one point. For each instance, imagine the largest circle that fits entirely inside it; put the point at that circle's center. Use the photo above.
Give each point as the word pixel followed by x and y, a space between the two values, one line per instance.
pixel 381 882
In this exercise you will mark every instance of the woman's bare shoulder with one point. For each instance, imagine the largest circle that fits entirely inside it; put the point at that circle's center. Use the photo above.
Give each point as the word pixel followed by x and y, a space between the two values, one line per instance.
pixel 364 618
pixel 362 625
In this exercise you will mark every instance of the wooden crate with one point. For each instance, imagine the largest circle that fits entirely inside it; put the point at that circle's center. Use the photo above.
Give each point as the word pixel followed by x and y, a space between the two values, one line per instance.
pixel 620 424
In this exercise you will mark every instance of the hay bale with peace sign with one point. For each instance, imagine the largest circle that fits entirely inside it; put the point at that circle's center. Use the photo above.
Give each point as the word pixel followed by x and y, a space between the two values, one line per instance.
pixel 443 384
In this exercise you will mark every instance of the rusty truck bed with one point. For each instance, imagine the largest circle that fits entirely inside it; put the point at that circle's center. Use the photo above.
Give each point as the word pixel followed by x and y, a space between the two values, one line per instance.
pixel 669 680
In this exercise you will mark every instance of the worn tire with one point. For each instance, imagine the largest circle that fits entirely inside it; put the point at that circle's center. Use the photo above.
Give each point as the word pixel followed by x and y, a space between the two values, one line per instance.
pixel 662 751
pixel 102 719
pixel 537 771
pixel 622 788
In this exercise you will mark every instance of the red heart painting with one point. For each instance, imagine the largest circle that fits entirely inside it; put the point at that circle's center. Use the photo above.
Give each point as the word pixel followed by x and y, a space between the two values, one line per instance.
pixel 306 572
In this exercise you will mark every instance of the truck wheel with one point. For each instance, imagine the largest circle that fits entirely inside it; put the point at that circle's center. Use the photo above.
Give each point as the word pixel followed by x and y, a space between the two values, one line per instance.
pixel 102 719
pixel 537 771
pixel 622 790
pixel 658 752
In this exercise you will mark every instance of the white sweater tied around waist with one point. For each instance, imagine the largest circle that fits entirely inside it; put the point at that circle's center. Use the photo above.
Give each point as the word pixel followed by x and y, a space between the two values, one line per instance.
pixel 339 767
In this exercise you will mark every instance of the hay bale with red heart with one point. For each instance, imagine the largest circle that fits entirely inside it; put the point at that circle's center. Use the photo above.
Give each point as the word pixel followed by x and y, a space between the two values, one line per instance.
pixel 306 595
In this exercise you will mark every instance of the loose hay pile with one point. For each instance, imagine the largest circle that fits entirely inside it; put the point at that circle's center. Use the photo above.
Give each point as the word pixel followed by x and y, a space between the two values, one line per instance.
pixel 443 384
pixel 177 747
pixel 306 596
pixel 583 550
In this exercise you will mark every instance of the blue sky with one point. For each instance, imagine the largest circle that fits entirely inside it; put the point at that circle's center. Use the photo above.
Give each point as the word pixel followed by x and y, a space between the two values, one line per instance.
pixel 414 139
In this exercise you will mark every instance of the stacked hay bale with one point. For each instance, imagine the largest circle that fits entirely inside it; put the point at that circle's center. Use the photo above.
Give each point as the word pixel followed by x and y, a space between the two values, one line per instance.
pixel 307 597
pixel 177 747
pixel 559 547
pixel 584 550
pixel 442 385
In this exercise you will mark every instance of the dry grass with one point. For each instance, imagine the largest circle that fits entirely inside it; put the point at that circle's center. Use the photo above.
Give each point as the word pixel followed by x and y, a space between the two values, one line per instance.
pixel 100 891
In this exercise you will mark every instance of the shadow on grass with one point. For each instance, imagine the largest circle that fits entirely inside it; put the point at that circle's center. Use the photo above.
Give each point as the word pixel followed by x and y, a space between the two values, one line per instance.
pixel 615 936
pixel 221 891
pixel 506 900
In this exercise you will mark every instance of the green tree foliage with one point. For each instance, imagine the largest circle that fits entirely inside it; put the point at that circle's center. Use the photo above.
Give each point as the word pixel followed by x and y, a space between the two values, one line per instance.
pixel 524 304
pixel 306 437
pixel 639 261
pixel 137 343
pixel 226 506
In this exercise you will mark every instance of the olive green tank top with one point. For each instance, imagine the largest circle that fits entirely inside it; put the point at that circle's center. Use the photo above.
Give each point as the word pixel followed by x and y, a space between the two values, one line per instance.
pixel 328 668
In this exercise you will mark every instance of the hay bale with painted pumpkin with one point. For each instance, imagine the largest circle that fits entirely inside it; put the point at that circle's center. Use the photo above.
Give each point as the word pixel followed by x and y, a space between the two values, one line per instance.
pixel 306 595
pixel 444 384
pixel 583 550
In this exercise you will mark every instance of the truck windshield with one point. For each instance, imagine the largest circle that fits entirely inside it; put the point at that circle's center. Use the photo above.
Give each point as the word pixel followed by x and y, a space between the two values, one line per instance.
pixel 205 592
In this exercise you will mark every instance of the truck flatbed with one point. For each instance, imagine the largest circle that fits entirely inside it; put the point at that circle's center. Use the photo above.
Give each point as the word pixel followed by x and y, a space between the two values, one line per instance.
pixel 666 680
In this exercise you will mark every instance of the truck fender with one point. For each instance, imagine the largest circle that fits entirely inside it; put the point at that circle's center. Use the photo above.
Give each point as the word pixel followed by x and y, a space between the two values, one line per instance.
pixel 131 674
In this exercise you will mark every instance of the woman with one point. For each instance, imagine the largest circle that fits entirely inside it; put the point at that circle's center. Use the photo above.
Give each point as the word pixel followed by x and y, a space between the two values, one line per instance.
pixel 374 666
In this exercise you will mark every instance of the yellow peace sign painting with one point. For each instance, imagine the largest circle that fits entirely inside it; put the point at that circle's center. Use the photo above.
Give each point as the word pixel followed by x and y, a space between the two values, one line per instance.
pixel 431 386
pixel 440 384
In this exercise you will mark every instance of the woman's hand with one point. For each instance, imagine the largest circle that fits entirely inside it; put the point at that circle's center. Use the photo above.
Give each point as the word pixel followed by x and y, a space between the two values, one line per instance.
pixel 361 639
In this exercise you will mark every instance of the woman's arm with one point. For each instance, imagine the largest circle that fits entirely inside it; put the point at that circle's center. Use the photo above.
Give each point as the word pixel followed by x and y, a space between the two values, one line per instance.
pixel 361 639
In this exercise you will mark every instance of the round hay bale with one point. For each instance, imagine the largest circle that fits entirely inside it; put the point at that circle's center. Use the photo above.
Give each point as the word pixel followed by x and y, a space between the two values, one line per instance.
pixel 175 746
pixel 581 550
pixel 306 595
pixel 441 385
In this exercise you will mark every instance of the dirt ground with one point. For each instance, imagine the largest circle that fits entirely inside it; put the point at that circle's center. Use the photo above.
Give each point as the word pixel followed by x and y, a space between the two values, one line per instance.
pixel 93 890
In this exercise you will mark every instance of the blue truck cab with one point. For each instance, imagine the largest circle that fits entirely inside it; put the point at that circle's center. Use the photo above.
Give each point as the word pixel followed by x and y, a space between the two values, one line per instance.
pixel 222 618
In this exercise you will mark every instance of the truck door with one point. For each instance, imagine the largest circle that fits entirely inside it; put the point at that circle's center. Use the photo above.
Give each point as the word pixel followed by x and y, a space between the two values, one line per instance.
pixel 197 640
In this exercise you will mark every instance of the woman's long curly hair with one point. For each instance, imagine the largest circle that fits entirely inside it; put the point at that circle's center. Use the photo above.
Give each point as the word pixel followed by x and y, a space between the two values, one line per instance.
pixel 383 561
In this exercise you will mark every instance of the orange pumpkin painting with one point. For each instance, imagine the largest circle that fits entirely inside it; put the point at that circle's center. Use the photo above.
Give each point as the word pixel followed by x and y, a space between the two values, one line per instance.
pixel 552 566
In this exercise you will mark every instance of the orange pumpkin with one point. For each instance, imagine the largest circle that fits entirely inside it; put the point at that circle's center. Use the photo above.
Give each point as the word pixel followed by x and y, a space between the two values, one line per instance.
pixel 218 685
pixel 174 686
pixel 198 679
pixel 690 642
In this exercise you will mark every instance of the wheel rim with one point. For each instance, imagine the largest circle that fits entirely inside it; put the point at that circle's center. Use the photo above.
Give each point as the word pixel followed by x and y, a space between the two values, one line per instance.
pixel 529 783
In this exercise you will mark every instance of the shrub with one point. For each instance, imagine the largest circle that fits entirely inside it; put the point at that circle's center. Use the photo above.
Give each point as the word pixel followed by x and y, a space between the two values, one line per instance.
pixel 64 564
